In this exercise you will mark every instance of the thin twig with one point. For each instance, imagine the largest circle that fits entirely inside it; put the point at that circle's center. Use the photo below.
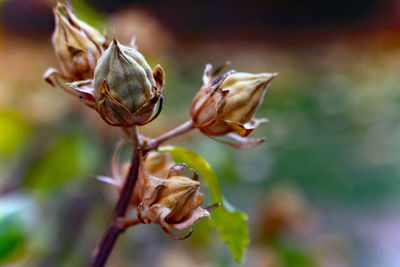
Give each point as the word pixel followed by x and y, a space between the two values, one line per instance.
pixel 105 247
pixel 181 129
pixel 130 223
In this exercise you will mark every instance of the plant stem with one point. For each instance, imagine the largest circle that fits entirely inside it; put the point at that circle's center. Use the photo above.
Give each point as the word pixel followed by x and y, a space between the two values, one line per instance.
pixel 181 129
pixel 105 247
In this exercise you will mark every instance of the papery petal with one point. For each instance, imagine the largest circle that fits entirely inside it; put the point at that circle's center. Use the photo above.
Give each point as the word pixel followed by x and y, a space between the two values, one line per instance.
pixel 157 213
pixel 159 77
pixel 152 187
pixel 84 91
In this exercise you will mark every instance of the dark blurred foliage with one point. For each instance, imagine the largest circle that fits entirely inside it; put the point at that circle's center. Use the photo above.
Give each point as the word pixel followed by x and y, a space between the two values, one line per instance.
pixel 323 190
pixel 255 15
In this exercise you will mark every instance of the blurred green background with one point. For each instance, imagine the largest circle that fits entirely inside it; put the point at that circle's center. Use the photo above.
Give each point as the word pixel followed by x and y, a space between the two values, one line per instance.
pixel 323 190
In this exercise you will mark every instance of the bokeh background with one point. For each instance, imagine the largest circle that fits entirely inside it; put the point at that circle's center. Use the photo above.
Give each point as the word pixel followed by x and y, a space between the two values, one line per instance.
pixel 323 190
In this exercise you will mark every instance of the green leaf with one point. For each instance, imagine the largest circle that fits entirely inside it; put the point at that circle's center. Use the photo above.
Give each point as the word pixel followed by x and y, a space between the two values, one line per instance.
pixel 230 222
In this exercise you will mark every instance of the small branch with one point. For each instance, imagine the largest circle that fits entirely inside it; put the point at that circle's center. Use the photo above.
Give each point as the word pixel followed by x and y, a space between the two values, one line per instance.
pixel 183 128
pixel 130 223
pixel 106 245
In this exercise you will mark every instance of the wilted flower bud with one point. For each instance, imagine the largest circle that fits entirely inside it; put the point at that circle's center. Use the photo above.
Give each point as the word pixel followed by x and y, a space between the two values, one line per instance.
pixel 227 104
pixel 163 194
pixel 126 87
pixel 169 199
pixel 174 201
pixel 77 45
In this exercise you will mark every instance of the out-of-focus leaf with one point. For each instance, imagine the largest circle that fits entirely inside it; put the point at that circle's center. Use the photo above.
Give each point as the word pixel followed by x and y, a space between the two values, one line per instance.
pixel 88 14
pixel 12 238
pixel 14 131
pixel 2 2
pixel 294 256
pixel 68 158
pixel 15 211
pixel 230 222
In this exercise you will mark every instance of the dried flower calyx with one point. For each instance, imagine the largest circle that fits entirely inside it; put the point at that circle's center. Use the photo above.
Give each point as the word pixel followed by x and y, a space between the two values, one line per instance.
pixel 170 199
pixel 227 104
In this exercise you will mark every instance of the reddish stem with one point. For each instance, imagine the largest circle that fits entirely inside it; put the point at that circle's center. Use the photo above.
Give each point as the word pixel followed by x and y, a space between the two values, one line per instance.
pixel 106 245
pixel 181 129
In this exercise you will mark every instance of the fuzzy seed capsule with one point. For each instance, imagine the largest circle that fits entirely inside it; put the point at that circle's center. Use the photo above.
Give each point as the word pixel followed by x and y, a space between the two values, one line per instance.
pixel 127 88
pixel 128 76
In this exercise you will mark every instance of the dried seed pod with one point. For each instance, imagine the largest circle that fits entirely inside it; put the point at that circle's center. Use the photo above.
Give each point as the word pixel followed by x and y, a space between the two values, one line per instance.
pixel 127 89
pixel 230 108
pixel 77 45
pixel 169 201
pixel 227 103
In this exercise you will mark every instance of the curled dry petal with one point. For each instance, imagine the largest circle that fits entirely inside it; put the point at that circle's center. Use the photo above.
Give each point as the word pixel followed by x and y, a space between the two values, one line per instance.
pixel 192 218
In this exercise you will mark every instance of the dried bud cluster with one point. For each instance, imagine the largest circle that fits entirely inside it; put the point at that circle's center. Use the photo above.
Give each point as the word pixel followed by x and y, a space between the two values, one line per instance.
pixel 120 85
pixel 227 103
pixel 117 82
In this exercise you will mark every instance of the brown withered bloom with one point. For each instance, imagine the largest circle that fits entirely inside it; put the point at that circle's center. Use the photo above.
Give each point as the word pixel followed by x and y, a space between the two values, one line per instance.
pixel 227 103
pixel 163 194
pixel 77 46
pixel 170 199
